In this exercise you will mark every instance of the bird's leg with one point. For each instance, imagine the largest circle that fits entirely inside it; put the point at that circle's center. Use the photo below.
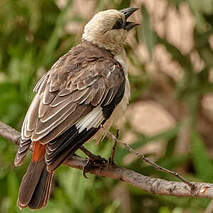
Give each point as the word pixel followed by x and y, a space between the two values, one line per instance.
pixel 115 139
pixel 90 154
pixel 94 161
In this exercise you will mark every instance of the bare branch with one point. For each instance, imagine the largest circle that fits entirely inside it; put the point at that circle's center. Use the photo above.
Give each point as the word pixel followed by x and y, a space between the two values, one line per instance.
pixel 150 162
pixel 152 185
pixel 9 133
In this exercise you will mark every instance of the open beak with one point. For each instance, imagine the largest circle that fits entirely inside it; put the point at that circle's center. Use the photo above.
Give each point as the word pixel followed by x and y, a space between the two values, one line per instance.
pixel 128 12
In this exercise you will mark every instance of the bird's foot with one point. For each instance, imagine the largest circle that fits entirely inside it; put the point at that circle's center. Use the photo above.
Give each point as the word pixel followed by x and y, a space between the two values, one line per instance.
pixel 94 162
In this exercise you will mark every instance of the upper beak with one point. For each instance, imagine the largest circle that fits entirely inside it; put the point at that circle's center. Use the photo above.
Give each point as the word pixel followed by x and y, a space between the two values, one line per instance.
pixel 128 12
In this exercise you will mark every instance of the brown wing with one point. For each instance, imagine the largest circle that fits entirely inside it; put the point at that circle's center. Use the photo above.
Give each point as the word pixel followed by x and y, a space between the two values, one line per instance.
pixel 83 79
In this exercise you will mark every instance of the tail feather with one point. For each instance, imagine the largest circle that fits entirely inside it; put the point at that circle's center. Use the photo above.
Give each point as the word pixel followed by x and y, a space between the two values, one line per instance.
pixel 42 192
pixel 35 186
pixel 29 183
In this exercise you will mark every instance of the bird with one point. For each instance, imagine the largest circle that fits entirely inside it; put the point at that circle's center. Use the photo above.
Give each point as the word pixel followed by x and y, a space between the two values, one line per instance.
pixel 77 100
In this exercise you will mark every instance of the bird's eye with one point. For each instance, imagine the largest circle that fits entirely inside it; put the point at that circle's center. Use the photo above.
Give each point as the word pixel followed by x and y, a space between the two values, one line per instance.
pixel 118 24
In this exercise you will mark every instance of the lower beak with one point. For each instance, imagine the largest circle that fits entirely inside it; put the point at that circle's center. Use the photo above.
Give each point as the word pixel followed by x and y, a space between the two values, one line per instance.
pixel 128 12
pixel 129 25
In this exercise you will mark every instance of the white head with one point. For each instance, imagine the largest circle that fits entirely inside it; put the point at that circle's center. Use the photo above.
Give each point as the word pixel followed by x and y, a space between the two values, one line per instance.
pixel 109 29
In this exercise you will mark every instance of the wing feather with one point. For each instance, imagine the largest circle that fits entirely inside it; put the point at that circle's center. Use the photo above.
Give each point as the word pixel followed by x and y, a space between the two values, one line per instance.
pixel 48 96
pixel 53 112
pixel 59 100
pixel 43 128
pixel 80 111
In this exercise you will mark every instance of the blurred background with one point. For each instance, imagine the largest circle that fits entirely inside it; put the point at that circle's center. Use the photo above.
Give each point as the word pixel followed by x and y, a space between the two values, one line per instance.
pixel 170 116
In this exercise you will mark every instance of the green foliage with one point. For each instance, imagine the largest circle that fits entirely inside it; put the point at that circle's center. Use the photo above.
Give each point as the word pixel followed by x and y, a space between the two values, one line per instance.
pixel 32 38
pixel 202 162
pixel 148 34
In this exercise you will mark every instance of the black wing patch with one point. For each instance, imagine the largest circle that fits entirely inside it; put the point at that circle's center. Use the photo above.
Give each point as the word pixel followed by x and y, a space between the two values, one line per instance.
pixel 69 142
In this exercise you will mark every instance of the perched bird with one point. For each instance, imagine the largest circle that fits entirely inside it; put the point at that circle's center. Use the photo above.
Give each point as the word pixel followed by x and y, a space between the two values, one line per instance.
pixel 76 100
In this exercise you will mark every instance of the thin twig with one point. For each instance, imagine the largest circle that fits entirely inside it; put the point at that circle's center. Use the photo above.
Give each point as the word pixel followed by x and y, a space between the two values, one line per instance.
pixel 147 160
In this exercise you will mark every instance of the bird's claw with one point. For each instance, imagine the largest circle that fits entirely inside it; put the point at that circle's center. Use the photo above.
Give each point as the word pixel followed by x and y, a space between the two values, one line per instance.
pixel 93 163
pixel 86 168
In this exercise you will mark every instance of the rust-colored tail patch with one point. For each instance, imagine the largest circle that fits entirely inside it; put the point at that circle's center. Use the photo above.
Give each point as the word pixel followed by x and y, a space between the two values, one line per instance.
pixel 38 152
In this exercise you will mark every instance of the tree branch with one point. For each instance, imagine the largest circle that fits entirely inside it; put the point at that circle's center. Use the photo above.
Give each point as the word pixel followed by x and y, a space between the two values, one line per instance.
pixel 152 185
pixel 9 133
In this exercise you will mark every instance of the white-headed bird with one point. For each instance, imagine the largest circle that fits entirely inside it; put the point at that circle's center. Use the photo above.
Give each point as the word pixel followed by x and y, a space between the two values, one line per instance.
pixel 76 100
